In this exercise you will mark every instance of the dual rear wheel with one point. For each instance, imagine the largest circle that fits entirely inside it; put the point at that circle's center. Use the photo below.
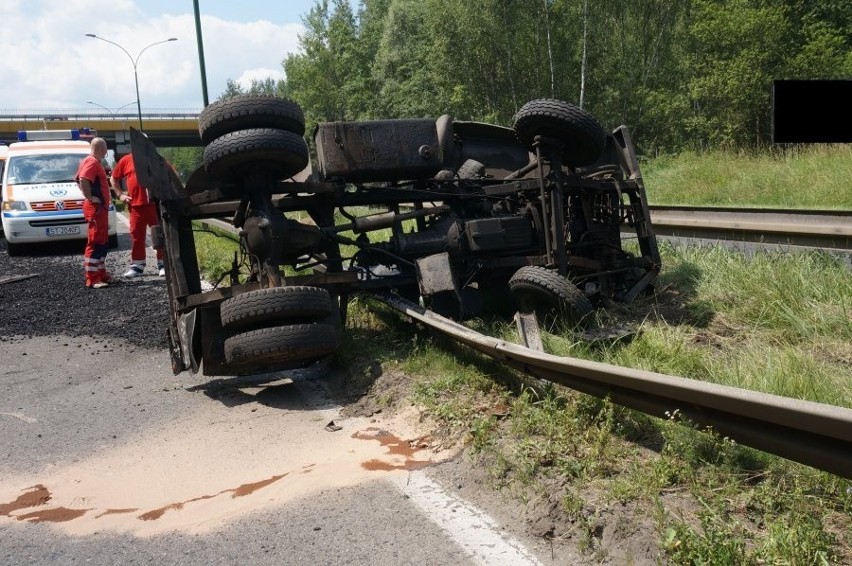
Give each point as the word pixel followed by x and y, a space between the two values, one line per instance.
pixel 253 133
pixel 279 328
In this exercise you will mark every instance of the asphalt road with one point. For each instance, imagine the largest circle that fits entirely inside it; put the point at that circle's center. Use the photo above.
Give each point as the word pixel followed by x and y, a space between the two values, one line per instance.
pixel 128 436
pixel 107 458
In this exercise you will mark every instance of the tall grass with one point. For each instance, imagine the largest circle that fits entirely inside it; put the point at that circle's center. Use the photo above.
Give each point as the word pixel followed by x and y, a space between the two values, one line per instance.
pixel 214 251
pixel 771 322
pixel 817 176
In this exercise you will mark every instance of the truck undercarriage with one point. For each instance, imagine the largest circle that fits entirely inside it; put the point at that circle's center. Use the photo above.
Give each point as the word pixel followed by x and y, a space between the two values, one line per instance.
pixel 453 214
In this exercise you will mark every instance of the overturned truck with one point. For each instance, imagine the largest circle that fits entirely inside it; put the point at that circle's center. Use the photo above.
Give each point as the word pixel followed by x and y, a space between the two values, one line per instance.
pixel 451 214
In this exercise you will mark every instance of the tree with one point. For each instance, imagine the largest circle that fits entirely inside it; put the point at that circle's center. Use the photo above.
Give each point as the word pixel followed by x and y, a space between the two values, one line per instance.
pixel 402 70
pixel 680 73
pixel 821 39
pixel 326 76
pixel 493 56
pixel 185 160
pixel 735 51
pixel 232 89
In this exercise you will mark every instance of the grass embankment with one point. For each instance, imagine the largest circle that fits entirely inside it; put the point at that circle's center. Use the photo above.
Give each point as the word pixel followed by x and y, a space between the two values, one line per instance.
pixel 773 323
pixel 769 322
pixel 818 176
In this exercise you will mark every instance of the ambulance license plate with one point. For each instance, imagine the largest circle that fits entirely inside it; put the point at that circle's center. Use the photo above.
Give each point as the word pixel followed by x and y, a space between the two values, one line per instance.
pixel 63 230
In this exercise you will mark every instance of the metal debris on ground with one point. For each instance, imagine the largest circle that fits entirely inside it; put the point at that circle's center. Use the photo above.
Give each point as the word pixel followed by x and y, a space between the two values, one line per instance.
pixel 15 278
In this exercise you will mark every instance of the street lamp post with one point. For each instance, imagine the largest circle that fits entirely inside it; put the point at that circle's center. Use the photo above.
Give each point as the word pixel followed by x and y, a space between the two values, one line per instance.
pixel 113 114
pixel 134 62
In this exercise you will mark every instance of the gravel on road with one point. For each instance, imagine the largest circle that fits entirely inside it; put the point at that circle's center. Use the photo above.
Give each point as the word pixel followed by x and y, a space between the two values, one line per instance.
pixel 135 310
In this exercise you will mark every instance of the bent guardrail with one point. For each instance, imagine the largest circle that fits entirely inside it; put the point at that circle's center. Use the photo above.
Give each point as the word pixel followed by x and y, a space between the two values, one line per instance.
pixel 814 434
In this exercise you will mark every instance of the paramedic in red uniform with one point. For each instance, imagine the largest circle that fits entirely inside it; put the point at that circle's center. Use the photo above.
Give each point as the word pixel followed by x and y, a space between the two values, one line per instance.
pixel 143 213
pixel 92 180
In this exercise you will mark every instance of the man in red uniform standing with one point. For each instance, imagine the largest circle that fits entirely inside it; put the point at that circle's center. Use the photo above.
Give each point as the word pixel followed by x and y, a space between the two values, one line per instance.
pixel 143 213
pixel 92 180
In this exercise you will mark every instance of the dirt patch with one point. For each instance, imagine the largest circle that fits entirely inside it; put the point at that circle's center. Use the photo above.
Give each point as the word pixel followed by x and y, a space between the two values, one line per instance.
pixel 605 533
pixel 370 389
pixel 835 353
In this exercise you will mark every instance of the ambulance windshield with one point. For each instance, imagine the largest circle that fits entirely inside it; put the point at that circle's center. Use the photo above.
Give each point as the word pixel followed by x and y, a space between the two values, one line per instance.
pixel 52 168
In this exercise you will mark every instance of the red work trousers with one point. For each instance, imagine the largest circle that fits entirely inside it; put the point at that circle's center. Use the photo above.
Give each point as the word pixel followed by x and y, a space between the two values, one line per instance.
pixel 141 217
pixel 97 242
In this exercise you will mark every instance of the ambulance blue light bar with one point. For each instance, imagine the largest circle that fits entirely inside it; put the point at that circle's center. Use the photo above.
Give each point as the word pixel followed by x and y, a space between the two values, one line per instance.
pixel 47 135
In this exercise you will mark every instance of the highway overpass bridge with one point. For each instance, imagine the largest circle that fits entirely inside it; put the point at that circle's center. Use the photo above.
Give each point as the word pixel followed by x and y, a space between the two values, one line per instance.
pixel 165 129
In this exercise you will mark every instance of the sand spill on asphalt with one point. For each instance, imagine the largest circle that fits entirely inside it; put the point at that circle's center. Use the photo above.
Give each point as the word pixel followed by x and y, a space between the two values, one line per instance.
pixel 198 472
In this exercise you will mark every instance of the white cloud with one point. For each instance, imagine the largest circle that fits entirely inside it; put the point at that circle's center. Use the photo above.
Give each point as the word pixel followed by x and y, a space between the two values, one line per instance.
pixel 258 75
pixel 47 63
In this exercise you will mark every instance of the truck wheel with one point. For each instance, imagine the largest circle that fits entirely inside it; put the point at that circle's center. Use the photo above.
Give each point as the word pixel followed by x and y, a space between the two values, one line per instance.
pixel 545 292
pixel 582 134
pixel 256 309
pixel 247 112
pixel 281 346
pixel 279 152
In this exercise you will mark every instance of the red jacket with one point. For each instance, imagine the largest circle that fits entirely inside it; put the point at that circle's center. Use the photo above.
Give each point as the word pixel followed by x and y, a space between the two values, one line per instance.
pixel 91 169
pixel 124 170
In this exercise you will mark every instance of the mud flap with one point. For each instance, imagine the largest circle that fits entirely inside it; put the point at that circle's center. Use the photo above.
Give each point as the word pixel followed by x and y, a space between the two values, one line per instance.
pixel 175 352
pixel 186 325
pixel 152 171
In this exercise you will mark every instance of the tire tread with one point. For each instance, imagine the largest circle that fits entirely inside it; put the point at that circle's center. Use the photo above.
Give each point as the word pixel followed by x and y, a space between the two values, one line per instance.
pixel 250 111
pixel 545 282
pixel 293 304
pixel 281 345
pixel 584 136
pixel 285 150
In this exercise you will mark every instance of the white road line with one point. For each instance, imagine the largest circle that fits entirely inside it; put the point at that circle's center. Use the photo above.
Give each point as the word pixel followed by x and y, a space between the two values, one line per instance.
pixel 473 530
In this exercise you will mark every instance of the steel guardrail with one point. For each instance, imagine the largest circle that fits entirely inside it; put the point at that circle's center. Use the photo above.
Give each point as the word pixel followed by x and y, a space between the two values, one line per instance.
pixel 825 229
pixel 814 434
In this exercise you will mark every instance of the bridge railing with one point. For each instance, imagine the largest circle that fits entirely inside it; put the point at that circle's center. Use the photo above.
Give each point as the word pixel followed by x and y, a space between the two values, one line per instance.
pixel 168 127
pixel 54 115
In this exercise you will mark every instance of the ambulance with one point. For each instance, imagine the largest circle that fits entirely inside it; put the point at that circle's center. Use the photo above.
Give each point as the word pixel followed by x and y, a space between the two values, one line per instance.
pixel 41 201
pixel 4 150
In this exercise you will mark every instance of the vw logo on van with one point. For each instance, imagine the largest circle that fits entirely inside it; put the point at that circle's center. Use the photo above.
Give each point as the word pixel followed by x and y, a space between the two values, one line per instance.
pixel 58 192
pixel 60 205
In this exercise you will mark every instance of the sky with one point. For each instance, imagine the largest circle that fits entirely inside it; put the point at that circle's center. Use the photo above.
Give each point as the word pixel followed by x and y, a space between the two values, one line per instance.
pixel 48 64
